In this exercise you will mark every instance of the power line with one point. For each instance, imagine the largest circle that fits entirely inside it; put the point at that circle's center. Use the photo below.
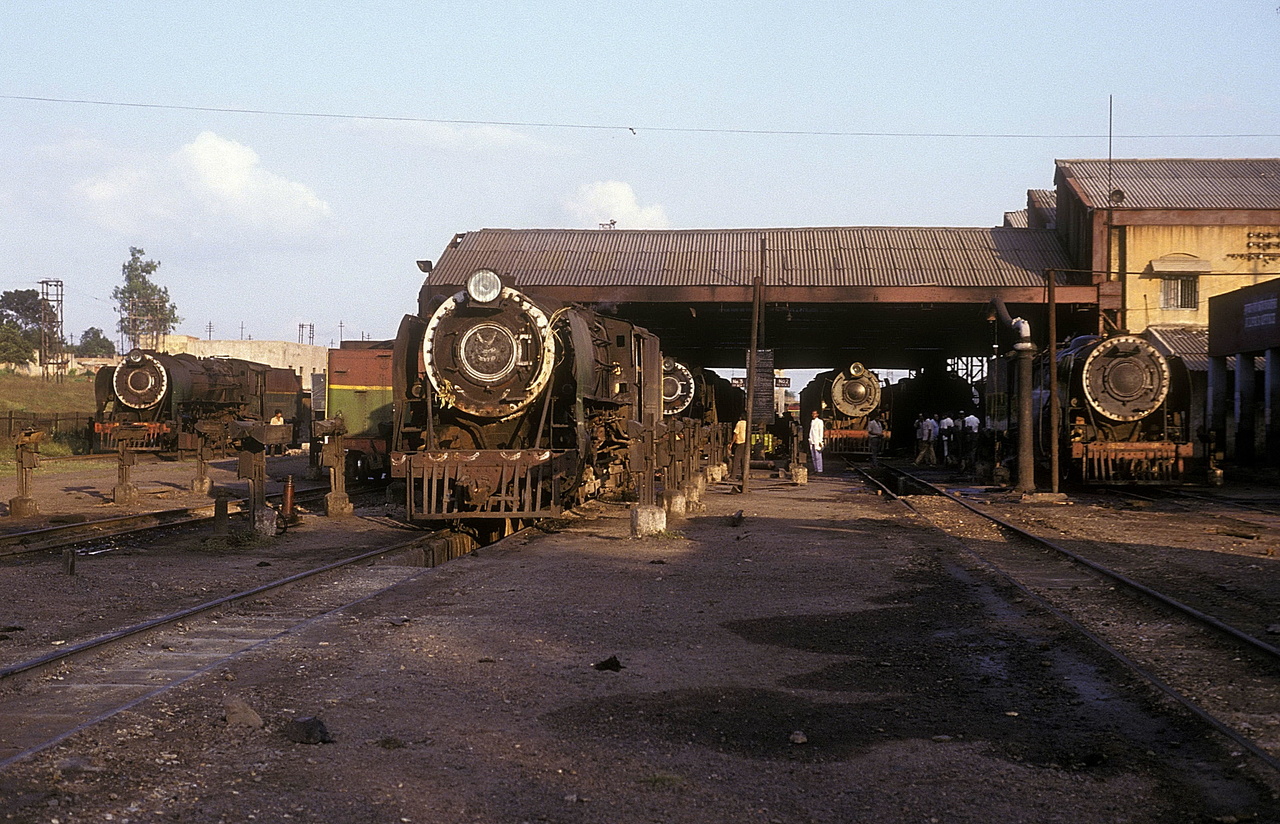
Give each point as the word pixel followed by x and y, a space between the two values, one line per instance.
pixel 529 124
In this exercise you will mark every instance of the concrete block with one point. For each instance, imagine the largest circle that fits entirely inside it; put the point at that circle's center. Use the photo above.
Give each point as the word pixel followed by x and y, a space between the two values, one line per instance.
pixel 647 520
pixel 23 508
pixel 800 474
pixel 124 494
pixel 675 503
pixel 696 487
pixel 264 522
pixel 202 486
pixel 338 505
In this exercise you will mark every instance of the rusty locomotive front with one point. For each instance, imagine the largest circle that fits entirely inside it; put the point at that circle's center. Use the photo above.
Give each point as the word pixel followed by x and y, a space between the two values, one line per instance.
pixel 509 407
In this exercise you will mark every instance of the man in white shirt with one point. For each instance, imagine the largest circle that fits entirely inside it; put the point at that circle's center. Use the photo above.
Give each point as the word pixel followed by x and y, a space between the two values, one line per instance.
pixel 875 437
pixel 817 433
pixel 946 429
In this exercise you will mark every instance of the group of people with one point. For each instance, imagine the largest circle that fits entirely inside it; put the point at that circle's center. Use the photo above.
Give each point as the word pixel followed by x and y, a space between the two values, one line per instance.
pixel 941 440
pixel 946 441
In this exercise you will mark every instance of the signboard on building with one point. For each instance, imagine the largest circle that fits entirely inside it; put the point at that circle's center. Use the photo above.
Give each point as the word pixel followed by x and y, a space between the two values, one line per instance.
pixel 1246 320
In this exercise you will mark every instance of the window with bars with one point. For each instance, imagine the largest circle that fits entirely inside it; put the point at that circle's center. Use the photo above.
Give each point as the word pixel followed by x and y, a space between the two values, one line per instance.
pixel 1180 292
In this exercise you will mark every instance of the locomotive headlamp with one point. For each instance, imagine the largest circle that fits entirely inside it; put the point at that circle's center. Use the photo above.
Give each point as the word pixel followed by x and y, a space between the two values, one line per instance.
pixel 484 286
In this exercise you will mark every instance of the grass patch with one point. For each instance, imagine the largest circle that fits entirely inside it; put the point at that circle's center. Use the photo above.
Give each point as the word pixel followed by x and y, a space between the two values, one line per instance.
pixel 26 393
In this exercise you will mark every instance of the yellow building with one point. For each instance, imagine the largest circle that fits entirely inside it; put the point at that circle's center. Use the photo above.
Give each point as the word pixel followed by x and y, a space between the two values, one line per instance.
pixel 1160 237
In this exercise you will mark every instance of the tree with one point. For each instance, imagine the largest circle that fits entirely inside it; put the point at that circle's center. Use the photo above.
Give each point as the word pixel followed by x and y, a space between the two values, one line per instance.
pixel 14 347
pixel 145 310
pixel 93 344
pixel 23 311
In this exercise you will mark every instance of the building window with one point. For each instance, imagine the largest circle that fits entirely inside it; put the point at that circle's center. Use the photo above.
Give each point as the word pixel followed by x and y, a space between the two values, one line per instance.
pixel 1180 292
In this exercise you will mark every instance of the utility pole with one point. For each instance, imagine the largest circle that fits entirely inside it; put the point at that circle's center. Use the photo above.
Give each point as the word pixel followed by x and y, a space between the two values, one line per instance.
pixel 208 330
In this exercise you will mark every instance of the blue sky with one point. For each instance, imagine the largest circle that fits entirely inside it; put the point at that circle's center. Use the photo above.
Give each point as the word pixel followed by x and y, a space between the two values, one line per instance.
pixel 744 115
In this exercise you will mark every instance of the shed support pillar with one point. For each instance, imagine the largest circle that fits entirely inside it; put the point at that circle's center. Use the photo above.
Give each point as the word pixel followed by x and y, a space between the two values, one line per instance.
pixel 1271 405
pixel 1246 421
pixel 1217 402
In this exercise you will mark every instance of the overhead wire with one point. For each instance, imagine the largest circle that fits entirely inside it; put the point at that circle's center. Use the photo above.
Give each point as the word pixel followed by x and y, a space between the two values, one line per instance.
pixel 633 129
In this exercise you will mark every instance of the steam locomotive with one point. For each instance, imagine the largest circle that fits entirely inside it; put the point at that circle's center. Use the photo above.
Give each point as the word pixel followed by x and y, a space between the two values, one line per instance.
pixel 514 408
pixel 699 394
pixel 170 394
pixel 845 399
pixel 1125 411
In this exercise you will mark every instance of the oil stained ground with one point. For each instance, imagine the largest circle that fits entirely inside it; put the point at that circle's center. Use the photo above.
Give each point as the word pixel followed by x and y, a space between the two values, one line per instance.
pixel 946 657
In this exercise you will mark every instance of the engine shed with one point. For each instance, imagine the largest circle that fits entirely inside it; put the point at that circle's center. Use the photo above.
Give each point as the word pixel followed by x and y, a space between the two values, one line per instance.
pixel 889 297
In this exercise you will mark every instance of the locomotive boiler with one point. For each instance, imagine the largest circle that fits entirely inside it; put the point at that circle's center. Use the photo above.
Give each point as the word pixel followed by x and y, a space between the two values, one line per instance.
pixel 515 408
pixel 169 394
pixel 1125 411
pixel 845 399
pixel 699 394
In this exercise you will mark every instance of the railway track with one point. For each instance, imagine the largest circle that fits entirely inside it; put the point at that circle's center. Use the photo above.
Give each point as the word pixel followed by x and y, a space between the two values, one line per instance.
pixel 95 529
pixel 48 698
pixel 1225 675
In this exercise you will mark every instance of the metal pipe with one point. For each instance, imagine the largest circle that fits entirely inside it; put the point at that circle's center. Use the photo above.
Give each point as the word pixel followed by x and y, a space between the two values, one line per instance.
pixel 756 295
pixel 1025 352
pixel 1055 414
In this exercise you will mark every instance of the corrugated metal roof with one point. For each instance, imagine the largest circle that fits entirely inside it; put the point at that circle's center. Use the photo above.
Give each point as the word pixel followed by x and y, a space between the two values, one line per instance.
pixel 1191 343
pixel 1178 183
pixel 848 256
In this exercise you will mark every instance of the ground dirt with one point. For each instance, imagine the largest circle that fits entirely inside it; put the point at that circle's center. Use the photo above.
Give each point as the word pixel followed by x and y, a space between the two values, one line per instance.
pixel 823 658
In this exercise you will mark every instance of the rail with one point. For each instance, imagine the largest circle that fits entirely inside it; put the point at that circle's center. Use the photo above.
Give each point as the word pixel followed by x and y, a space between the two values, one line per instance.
pixel 904 480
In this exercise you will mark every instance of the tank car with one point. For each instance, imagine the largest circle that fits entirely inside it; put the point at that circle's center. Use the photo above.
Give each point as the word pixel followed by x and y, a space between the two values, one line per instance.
pixel 1125 411
pixel 169 394
pixel 844 399
pixel 511 407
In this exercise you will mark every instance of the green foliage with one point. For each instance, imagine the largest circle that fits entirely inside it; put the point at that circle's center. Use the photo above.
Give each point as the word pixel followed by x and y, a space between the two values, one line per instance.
pixel 15 348
pixel 24 311
pixel 145 309
pixel 93 344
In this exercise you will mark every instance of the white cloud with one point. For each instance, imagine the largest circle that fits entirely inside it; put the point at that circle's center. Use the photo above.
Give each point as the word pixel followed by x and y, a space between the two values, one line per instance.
pixel 208 187
pixel 613 200
pixel 453 139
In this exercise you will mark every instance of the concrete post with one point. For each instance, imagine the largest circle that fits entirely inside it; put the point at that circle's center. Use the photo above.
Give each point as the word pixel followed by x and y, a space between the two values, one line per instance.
pixel 27 458
pixel 125 493
pixel 334 456
pixel 201 484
